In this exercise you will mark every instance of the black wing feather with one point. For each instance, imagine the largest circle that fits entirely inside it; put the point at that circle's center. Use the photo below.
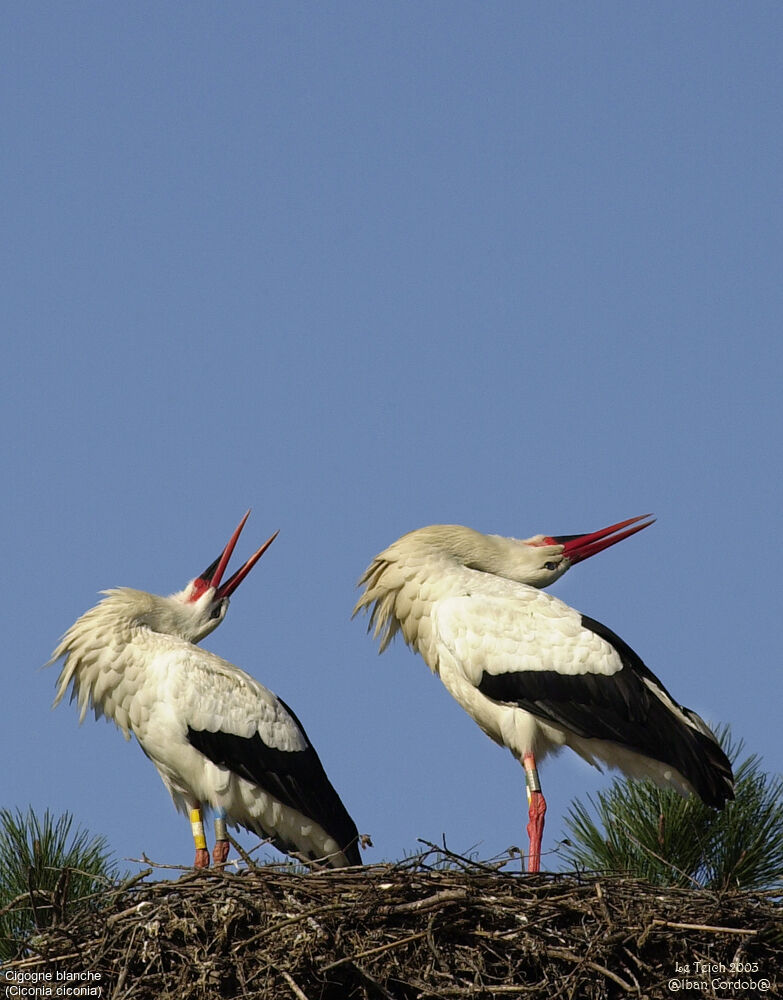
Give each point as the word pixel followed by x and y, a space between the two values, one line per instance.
pixel 295 778
pixel 621 708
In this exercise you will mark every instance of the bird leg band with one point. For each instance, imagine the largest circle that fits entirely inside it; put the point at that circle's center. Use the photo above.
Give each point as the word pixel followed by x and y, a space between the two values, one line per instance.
pixel 222 847
pixel 221 833
pixel 531 775
pixel 197 826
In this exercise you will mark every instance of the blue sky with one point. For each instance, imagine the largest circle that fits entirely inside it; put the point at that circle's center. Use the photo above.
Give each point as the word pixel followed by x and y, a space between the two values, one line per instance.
pixel 366 267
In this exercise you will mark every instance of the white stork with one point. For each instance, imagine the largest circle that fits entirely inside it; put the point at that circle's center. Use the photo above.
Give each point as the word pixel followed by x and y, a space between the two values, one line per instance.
pixel 535 674
pixel 219 739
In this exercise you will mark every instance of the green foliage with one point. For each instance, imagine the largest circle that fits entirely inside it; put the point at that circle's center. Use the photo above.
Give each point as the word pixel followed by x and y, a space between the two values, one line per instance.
pixel 45 871
pixel 669 840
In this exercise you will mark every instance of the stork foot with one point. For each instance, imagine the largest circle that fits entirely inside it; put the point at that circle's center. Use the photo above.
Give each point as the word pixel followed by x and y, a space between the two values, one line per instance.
pixel 535 829
pixel 202 858
pixel 220 852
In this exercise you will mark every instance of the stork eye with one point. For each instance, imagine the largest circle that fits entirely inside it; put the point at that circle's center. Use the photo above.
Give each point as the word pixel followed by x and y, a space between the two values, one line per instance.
pixel 216 611
pixel 550 566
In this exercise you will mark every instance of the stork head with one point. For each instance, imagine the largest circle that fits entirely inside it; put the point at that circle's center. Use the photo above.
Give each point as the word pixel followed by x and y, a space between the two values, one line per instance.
pixel 417 567
pixel 202 605
pixel 545 558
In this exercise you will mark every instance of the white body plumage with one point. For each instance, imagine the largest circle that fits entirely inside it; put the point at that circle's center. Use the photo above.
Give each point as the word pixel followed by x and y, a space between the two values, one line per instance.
pixel 218 738
pixel 535 674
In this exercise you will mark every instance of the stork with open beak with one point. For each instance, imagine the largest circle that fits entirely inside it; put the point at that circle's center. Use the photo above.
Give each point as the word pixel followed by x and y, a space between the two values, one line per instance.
pixel 219 739
pixel 535 674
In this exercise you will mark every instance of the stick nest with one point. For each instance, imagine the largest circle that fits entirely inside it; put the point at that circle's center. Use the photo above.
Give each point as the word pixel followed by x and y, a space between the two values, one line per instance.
pixel 435 926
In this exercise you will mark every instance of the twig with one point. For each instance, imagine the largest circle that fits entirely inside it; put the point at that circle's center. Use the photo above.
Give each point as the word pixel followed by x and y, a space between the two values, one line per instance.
pixel 568 956
pixel 602 903
pixel 710 929
pixel 289 979
pixel 144 860
pixel 130 882
pixel 21 898
pixel 242 852
pixel 466 864
pixel 374 951
pixel 417 905
pixel 138 909
pixel 373 982
pixel 281 925
pixel 33 960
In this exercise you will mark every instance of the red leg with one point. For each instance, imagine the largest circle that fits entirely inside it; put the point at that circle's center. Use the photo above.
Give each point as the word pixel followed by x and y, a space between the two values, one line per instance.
pixel 220 852
pixel 197 826
pixel 537 810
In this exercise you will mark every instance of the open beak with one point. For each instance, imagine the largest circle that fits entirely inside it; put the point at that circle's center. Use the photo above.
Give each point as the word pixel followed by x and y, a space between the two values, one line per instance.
pixel 213 574
pixel 579 547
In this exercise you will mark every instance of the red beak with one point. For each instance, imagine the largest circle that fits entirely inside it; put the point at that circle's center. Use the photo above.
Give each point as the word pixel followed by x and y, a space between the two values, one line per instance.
pixel 579 547
pixel 213 574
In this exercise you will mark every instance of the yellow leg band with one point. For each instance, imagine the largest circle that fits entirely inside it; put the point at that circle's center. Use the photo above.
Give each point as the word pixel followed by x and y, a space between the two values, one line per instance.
pixel 197 826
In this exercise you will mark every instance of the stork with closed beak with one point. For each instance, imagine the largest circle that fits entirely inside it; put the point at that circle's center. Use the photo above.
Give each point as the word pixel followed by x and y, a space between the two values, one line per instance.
pixel 219 739
pixel 535 674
